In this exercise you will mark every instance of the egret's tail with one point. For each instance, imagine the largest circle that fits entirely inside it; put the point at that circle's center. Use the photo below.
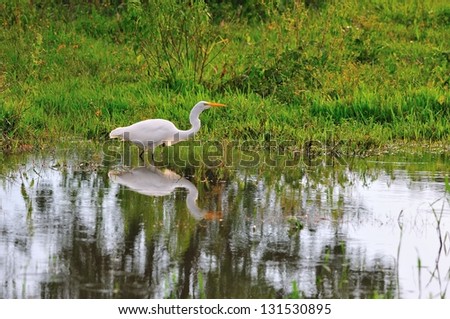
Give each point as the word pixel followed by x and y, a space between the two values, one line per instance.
pixel 117 133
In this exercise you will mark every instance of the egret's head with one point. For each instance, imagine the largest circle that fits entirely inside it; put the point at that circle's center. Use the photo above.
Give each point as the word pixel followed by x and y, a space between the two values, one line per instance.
pixel 199 108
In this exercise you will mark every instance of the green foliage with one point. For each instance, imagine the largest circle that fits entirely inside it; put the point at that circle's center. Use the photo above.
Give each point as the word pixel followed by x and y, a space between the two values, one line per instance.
pixel 10 121
pixel 176 40
pixel 296 293
pixel 368 72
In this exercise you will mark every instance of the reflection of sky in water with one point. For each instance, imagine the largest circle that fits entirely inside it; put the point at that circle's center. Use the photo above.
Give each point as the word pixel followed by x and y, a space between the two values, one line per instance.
pixel 80 209
pixel 31 245
pixel 380 235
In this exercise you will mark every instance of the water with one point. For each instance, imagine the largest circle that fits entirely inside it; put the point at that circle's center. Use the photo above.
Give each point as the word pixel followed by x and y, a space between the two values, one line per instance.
pixel 75 225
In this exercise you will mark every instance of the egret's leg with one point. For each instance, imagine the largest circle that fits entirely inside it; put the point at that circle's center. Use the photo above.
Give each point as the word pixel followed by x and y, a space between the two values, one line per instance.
pixel 153 157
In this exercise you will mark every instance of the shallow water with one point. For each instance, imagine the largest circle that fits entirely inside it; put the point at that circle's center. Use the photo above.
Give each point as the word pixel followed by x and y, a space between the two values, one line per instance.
pixel 74 224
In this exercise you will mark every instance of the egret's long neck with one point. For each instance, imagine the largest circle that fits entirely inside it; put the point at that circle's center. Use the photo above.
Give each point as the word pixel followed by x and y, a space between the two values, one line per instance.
pixel 191 200
pixel 195 122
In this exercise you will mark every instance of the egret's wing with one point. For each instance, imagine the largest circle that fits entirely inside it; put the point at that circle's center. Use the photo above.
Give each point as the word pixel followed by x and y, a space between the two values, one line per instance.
pixel 145 181
pixel 148 133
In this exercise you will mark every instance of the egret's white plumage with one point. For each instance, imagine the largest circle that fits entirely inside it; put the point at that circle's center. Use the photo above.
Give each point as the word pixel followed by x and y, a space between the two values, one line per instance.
pixel 152 181
pixel 149 134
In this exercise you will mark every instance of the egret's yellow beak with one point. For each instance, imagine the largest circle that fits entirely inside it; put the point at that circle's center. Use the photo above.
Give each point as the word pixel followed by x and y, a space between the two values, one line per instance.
pixel 214 104
pixel 211 215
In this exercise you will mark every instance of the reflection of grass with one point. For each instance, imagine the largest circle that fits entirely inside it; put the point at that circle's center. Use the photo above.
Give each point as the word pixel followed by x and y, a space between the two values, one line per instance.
pixel 447 184
pixel 201 286
pixel 436 273
pixel 296 225
pixel 441 275
pixel 397 261
pixel 338 277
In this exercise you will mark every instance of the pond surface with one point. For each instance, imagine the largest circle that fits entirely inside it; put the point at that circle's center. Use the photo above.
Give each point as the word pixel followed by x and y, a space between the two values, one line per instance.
pixel 77 224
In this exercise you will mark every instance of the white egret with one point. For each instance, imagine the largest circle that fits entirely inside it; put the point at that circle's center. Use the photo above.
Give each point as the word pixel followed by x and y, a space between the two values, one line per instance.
pixel 148 134
pixel 152 181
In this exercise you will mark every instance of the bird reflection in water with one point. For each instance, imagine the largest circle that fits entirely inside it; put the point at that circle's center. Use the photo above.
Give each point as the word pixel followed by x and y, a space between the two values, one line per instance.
pixel 152 181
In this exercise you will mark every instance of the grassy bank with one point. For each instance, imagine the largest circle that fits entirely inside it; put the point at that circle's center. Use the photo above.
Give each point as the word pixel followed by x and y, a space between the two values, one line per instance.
pixel 369 73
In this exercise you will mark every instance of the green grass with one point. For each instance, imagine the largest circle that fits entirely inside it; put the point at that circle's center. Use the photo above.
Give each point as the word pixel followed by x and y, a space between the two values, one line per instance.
pixel 370 73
